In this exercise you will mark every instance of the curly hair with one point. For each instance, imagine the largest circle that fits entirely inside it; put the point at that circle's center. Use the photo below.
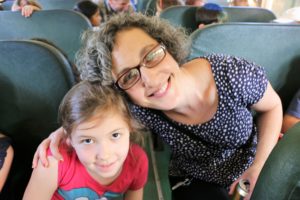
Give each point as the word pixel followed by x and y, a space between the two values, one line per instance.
pixel 94 60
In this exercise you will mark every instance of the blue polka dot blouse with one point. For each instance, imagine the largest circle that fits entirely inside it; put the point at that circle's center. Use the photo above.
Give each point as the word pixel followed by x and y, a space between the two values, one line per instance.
pixel 219 150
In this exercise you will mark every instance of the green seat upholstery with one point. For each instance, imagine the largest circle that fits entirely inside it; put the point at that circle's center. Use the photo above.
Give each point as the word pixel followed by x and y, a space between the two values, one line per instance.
pixel 58 4
pixel 61 27
pixel 48 4
pixel 280 176
pixel 185 15
pixel 34 77
pixel 273 46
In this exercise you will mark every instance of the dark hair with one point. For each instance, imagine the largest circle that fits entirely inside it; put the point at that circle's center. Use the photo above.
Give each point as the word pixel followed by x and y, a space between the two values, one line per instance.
pixel 210 13
pixel 86 7
pixel 91 99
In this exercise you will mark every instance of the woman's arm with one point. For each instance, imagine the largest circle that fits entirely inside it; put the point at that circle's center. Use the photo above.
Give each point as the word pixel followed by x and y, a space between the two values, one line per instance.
pixel 43 181
pixel 4 171
pixel 269 126
pixel 53 142
pixel 134 194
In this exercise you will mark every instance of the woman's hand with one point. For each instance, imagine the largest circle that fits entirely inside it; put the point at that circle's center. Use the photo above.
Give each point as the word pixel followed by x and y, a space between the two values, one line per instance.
pixel 251 174
pixel 51 142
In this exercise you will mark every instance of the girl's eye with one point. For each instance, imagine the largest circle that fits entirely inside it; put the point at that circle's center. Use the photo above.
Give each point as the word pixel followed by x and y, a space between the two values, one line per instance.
pixel 116 135
pixel 87 141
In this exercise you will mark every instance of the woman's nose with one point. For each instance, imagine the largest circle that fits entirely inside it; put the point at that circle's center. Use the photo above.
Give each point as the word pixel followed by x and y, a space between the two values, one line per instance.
pixel 149 77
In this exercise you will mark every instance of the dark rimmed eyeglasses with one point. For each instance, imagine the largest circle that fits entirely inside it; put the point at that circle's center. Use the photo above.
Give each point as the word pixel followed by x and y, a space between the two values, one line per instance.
pixel 130 77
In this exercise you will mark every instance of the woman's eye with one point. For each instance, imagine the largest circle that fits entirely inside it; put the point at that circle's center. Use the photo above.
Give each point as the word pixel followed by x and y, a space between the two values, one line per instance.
pixel 87 141
pixel 154 56
pixel 116 135
pixel 130 76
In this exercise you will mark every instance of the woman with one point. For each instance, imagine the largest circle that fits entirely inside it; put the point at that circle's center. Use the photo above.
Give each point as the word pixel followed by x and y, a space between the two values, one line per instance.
pixel 201 108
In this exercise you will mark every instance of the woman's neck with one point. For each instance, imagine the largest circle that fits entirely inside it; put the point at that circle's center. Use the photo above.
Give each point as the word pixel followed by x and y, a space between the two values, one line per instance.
pixel 199 98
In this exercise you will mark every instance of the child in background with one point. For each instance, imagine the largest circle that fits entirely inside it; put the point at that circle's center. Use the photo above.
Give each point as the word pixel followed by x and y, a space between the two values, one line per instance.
pixel 6 158
pixel 90 10
pixel 195 2
pixel 27 7
pixel 292 114
pixel 101 156
pixel 163 4
pixel 210 13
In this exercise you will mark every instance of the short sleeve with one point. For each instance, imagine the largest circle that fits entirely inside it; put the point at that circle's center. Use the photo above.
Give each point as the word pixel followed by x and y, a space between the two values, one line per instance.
pixel 248 80
pixel 294 107
pixel 141 175
pixel 5 142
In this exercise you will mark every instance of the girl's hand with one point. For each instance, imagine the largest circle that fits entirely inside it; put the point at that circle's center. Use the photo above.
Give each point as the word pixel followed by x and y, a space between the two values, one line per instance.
pixel 27 10
pixel 251 174
pixel 51 142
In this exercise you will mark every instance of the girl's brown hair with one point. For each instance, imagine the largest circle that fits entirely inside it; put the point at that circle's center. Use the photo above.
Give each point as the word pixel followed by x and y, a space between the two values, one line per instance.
pixel 87 99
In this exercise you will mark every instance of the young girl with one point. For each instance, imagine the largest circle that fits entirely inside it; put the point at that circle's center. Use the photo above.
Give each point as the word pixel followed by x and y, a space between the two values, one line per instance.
pixel 90 10
pixel 27 7
pixel 101 158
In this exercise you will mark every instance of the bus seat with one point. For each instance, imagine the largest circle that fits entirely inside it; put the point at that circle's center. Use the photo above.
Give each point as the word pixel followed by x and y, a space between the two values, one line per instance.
pixel 61 27
pixel 58 4
pixel 273 46
pixel 185 15
pixel 33 79
pixel 280 176
pixel 249 14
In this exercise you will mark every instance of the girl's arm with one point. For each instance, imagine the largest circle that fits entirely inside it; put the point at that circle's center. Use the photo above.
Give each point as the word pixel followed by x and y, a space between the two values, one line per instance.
pixel 28 10
pixel 134 194
pixel 269 125
pixel 43 181
pixel 6 166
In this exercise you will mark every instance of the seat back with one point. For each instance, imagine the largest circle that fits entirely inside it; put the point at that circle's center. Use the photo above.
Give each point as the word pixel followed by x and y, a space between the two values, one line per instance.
pixel 61 27
pixel 58 4
pixel 48 4
pixel 34 77
pixel 185 15
pixel 280 177
pixel 273 46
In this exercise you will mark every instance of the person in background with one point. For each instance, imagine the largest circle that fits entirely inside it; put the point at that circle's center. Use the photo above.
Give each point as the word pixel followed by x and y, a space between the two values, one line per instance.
pixel 201 108
pixel 110 7
pixel 210 13
pixel 6 158
pixel 291 15
pixel 195 2
pixel 90 10
pixel 163 4
pixel 292 114
pixel 101 155
pixel 27 7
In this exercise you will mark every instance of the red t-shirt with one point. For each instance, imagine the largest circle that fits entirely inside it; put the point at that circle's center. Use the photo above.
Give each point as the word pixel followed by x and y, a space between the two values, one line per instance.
pixel 75 182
